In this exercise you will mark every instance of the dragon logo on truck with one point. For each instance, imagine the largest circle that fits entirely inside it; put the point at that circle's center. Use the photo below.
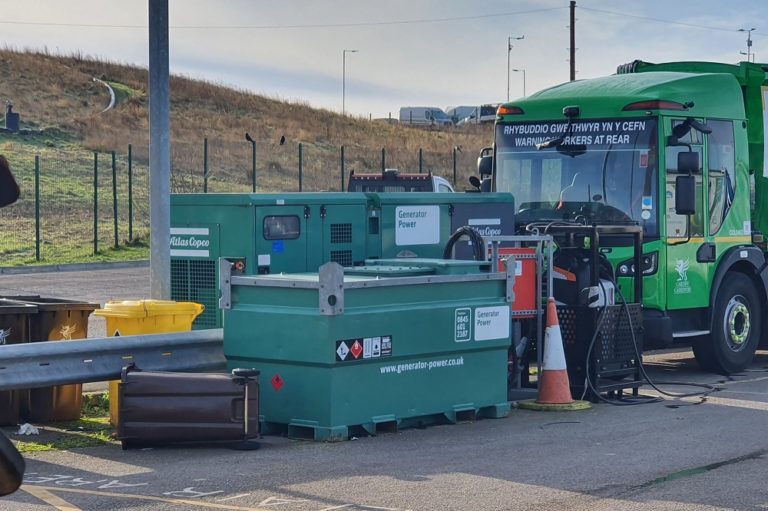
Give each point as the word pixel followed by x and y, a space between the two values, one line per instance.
pixel 682 286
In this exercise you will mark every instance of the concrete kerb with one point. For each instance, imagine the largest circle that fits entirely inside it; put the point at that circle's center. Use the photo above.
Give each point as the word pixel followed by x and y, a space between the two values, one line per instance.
pixel 17 270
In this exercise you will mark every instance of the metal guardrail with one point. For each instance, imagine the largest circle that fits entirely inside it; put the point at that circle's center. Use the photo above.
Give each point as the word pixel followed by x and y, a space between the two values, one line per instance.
pixel 41 364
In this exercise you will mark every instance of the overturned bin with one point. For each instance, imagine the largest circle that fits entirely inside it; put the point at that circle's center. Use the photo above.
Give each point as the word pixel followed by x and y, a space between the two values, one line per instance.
pixel 137 317
pixel 386 345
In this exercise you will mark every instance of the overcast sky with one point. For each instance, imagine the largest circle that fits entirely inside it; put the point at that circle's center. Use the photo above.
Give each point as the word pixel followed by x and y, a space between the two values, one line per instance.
pixel 410 52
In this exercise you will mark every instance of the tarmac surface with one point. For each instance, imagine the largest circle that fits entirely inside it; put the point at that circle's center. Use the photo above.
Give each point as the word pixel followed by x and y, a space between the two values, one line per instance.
pixel 677 454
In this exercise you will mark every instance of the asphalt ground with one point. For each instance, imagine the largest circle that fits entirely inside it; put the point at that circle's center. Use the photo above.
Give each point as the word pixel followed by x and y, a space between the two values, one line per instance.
pixel 686 454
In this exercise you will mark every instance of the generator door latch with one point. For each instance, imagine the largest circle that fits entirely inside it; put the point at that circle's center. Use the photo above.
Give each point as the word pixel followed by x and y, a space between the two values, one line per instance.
pixel 323 211
pixel 306 212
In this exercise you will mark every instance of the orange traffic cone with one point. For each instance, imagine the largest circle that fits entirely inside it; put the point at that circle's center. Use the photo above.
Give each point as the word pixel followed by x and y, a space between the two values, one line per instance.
pixel 554 387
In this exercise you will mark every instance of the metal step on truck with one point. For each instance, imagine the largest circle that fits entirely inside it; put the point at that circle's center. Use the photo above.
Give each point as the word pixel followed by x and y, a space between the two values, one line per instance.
pixel 676 148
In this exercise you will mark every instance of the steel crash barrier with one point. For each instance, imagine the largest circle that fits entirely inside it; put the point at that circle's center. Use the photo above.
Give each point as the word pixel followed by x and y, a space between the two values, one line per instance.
pixel 90 360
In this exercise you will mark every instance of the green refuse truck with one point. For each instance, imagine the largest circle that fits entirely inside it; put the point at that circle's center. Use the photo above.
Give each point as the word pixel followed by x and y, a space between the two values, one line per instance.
pixel 678 148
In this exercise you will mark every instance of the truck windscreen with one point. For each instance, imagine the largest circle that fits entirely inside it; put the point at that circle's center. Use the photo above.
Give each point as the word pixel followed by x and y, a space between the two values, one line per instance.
pixel 596 171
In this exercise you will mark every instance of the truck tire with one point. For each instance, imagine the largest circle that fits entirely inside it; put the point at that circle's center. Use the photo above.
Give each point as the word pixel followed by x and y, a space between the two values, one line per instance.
pixel 735 329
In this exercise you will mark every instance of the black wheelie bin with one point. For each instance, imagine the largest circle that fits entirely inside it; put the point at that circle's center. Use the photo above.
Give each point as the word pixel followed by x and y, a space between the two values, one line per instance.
pixel 14 329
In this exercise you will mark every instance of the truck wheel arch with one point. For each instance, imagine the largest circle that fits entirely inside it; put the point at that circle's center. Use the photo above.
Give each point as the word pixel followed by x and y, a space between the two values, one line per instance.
pixel 753 266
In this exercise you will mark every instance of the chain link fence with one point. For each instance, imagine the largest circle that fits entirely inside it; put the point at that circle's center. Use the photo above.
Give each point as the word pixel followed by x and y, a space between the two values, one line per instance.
pixel 77 204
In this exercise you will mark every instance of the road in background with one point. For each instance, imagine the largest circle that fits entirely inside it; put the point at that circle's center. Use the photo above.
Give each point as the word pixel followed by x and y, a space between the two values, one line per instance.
pixel 98 286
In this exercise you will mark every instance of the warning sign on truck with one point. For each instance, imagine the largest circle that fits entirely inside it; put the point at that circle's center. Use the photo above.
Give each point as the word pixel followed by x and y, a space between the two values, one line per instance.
pixel 593 133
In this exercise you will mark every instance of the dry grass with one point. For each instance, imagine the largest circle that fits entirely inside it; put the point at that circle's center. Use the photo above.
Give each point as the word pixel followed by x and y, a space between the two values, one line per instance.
pixel 57 93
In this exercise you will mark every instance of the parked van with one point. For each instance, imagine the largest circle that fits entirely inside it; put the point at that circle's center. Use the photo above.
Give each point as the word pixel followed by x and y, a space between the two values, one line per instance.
pixel 424 116
pixel 457 113
pixel 483 113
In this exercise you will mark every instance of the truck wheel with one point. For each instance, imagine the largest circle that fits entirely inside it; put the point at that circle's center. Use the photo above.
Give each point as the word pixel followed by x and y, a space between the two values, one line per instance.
pixel 735 329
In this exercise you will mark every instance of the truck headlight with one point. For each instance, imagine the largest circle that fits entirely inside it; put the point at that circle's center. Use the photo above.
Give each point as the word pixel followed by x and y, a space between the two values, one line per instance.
pixel 649 263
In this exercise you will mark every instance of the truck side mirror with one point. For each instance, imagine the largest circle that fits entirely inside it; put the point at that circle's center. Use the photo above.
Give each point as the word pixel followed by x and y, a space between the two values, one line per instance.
pixel 688 162
pixel 11 467
pixel 485 165
pixel 685 194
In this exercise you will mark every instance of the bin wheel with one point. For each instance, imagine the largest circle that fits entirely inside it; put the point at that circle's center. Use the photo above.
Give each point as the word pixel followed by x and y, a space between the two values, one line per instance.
pixel 245 373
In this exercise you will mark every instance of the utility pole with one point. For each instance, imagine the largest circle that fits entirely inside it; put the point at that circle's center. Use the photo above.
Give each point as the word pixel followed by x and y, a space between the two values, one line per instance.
pixel 749 54
pixel 573 40
pixel 509 50
pixel 159 153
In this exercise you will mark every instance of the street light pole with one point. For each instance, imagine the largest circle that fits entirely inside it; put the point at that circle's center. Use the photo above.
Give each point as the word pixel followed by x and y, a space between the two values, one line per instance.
pixel 509 50
pixel 344 79
pixel 521 71
pixel 749 42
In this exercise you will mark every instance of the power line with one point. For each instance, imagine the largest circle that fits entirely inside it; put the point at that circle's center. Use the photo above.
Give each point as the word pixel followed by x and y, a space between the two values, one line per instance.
pixel 657 20
pixel 272 27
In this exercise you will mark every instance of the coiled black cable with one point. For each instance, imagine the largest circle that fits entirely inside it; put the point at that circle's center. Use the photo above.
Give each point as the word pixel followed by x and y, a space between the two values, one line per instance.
pixel 478 244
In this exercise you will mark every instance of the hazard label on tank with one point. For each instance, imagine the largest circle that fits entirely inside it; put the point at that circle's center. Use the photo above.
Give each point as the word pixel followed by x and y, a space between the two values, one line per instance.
pixel 363 348
pixel 341 351
pixel 356 349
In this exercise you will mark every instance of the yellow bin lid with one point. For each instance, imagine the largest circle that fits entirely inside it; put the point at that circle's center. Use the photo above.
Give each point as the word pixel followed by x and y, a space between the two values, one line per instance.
pixel 134 309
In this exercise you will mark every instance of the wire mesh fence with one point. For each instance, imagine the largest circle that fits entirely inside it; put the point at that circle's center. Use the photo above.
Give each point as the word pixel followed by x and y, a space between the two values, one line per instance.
pixel 76 204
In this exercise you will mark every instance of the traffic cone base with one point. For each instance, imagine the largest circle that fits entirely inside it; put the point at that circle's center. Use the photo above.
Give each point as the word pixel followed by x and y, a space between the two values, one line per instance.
pixel 532 404
pixel 554 387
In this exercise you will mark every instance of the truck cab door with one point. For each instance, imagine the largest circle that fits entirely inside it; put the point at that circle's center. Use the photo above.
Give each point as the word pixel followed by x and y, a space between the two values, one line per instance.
pixel 687 277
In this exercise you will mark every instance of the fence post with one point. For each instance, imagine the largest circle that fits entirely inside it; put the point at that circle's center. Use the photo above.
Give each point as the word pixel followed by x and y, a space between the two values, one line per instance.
pixel 130 192
pixel 95 203
pixel 301 166
pixel 114 199
pixel 205 165
pixel 383 159
pixel 421 161
pixel 37 207
pixel 454 167
pixel 253 164
pixel 342 168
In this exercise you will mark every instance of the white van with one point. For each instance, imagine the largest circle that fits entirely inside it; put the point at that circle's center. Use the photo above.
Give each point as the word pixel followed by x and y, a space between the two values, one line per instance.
pixel 424 116
pixel 483 113
pixel 457 113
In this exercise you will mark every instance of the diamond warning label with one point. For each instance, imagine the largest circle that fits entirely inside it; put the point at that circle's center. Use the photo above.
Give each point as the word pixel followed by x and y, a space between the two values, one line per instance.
pixel 356 349
pixel 341 351
pixel 277 382
pixel 363 348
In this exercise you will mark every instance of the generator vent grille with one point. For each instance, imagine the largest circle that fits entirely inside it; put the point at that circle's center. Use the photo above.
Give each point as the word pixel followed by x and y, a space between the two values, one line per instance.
pixel 194 280
pixel 341 233
pixel 343 257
